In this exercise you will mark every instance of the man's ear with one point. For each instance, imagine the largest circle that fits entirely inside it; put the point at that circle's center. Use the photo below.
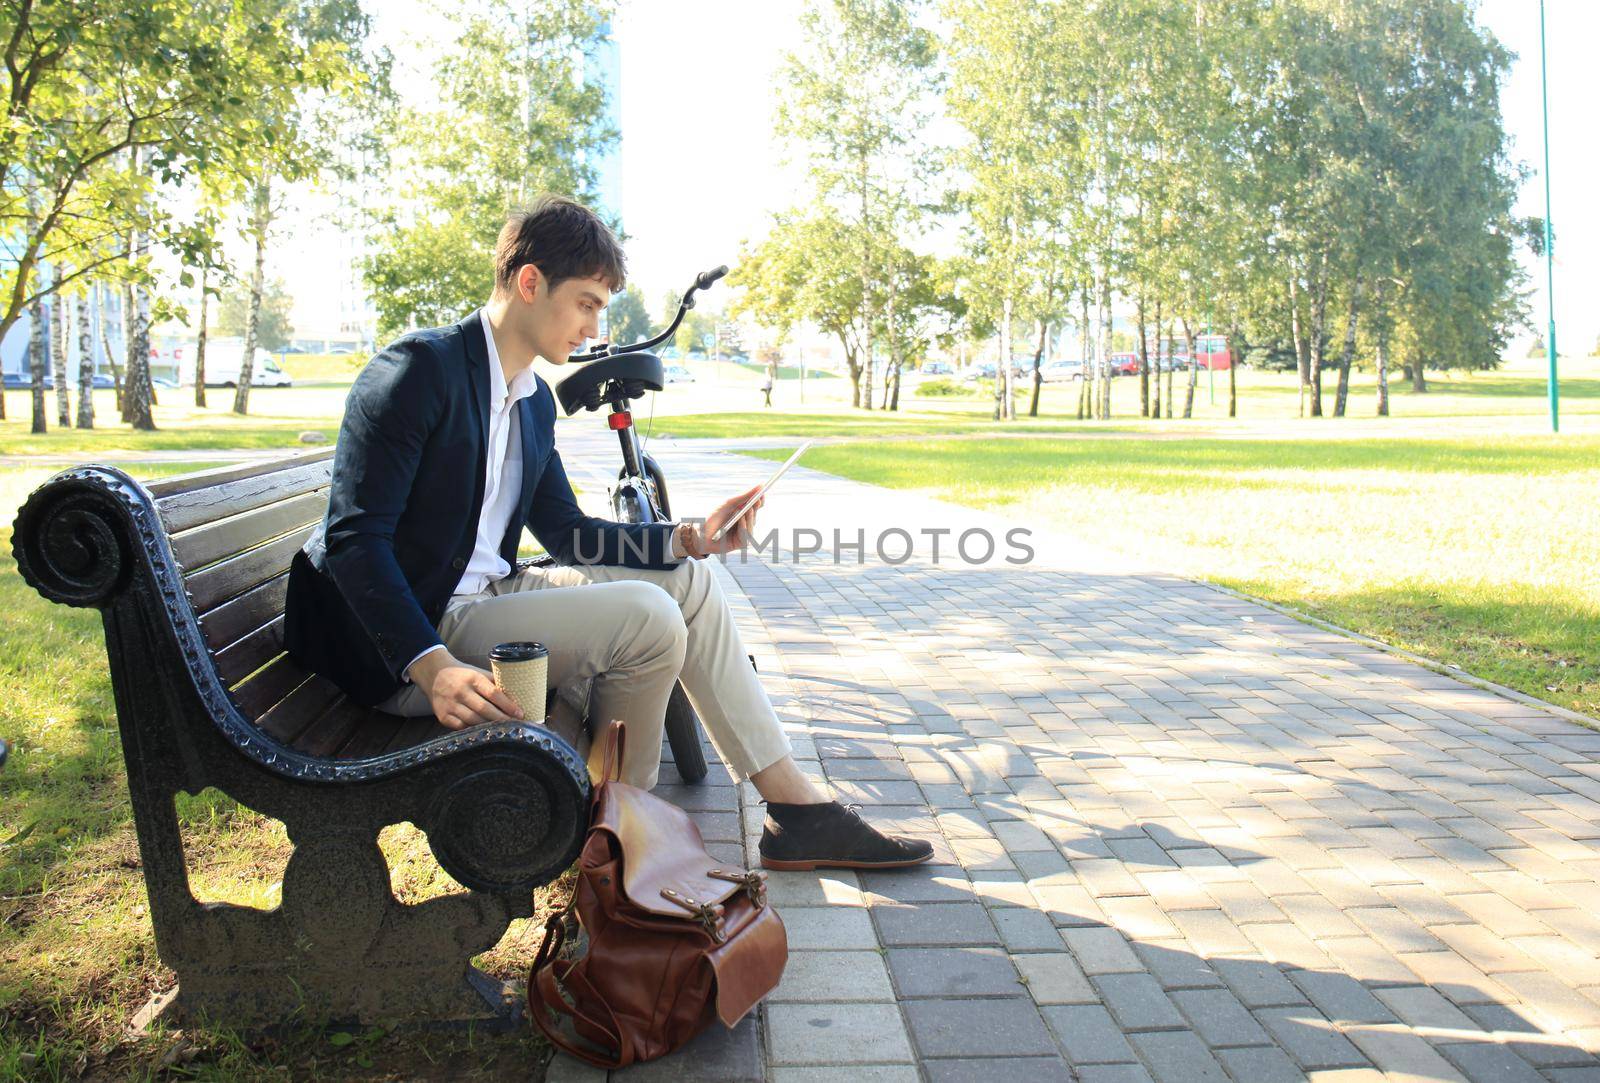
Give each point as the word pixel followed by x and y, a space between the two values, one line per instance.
pixel 529 282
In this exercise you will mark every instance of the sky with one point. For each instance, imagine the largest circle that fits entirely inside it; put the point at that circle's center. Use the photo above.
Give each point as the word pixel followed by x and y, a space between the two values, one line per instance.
pixel 702 171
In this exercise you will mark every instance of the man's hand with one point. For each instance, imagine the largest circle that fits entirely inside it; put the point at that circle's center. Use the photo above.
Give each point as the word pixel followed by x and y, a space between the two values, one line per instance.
pixel 462 695
pixel 738 535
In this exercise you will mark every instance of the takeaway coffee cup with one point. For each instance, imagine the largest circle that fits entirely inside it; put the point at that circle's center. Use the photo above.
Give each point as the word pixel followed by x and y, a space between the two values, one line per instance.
pixel 520 670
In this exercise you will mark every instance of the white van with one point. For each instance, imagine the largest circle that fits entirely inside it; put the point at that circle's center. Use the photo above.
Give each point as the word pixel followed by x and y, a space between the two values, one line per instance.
pixel 223 360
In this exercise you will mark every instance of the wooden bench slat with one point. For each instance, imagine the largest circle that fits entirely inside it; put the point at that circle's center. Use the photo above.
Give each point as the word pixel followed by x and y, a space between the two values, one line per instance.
pixel 233 620
pixel 250 653
pixel 228 578
pixel 186 502
pixel 414 731
pixel 371 735
pixel 269 687
pixel 291 716
pixel 221 538
pixel 331 731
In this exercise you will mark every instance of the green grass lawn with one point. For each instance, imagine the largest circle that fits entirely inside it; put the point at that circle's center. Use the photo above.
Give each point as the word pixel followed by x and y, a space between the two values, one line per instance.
pixel 278 415
pixel 1265 398
pixel 77 953
pixel 1475 552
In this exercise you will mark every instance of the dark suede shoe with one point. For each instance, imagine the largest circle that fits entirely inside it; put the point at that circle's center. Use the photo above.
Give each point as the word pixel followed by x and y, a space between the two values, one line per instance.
pixel 832 836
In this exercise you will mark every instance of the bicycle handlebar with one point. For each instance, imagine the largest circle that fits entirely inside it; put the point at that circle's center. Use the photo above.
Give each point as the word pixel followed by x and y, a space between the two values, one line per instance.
pixel 702 281
pixel 706 278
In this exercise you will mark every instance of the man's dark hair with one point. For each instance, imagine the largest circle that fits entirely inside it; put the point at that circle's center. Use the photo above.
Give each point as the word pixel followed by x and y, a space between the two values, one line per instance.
pixel 561 237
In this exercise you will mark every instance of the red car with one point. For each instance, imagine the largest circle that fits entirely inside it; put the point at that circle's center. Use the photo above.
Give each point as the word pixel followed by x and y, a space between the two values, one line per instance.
pixel 1124 364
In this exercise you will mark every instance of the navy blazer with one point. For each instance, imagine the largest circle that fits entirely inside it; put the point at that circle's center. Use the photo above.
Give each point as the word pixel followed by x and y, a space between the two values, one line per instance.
pixel 366 592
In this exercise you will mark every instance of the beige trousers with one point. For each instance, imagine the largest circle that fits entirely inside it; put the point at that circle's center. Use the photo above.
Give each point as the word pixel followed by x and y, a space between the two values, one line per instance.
pixel 633 633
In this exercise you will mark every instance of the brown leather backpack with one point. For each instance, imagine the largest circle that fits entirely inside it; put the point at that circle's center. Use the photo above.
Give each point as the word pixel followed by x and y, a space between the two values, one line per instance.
pixel 676 938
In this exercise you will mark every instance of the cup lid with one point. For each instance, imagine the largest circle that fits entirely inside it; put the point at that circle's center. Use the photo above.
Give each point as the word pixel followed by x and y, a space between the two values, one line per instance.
pixel 517 652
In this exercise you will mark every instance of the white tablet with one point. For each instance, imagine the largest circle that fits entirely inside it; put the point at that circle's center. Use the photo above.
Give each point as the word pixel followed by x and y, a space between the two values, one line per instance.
pixel 761 492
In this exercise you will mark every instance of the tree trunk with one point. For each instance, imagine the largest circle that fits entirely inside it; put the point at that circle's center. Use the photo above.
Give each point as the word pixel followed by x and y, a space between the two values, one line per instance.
pixel 60 321
pixel 85 366
pixel 1168 338
pixel 1144 359
pixel 1194 370
pixel 1319 326
pixel 852 362
pixel 1083 353
pixel 260 219
pixel 1381 361
pixel 200 343
pixel 1105 345
pixel 1348 353
pixel 1419 379
pixel 38 358
pixel 105 346
pixel 1155 404
pixel 1302 358
pixel 137 392
pixel 1038 371
pixel 1233 370
pixel 1004 405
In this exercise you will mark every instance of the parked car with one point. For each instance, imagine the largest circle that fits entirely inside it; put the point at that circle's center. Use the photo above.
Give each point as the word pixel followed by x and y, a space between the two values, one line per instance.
pixel 23 381
pixel 936 368
pixel 223 364
pixel 678 374
pixel 1057 371
pixel 983 370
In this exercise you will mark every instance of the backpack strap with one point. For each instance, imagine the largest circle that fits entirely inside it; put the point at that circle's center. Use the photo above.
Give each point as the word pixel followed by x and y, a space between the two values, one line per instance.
pixel 544 998
pixel 616 742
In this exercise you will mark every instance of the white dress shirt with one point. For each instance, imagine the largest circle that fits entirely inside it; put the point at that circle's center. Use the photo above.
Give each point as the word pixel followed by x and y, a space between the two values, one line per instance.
pixel 502 485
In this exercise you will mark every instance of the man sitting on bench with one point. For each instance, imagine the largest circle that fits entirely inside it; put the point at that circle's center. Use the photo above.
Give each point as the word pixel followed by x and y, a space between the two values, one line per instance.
pixel 446 451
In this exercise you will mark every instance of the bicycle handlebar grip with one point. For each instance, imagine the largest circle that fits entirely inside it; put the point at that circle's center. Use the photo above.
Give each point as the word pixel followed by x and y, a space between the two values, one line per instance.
pixel 706 278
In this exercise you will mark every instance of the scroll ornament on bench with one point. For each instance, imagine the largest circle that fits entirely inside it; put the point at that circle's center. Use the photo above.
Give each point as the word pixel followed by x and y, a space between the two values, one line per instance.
pixel 676 938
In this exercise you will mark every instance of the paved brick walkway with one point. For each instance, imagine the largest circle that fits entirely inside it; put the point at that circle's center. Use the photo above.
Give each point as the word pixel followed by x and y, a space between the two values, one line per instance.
pixel 1180 836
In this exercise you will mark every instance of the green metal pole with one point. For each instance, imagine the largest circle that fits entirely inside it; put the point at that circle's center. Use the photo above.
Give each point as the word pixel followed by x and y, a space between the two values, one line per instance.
pixel 1549 252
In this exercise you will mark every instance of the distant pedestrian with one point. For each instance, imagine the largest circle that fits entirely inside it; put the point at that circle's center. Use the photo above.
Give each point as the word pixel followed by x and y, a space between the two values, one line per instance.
pixel 766 389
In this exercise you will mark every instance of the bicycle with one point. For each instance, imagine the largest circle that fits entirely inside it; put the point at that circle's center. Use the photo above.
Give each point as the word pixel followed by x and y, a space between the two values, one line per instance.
pixel 614 376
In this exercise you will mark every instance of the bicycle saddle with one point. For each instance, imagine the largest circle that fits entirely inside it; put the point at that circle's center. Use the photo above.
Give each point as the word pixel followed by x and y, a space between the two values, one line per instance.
pixel 586 388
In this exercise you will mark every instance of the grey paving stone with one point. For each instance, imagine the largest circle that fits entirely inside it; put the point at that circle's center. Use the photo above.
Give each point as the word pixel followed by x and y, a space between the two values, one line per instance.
pixel 1088 1034
pixel 1219 1018
pixel 1309 1038
pixel 1260 1064
pixel 1179 1057
pixel 1026 930
pixel 978 1028
pixel 828 928
pixel 1402 1054
pixel 1341 998
pixel 1258 984
pixel 1175 965
pixel 953 972
pixel 715 1055
pixel 1054 978
pixel 1487 1061
pixel 934 924
pixel 988 1069
pixel 1100 950
pixel 834 976
pixel 833 1034
pixel 924 883
pixel 1137 1001
pixel 851 1073
pixel 1113 1073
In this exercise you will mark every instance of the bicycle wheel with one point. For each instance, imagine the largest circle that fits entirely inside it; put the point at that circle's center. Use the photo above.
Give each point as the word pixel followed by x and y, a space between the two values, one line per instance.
pixel 683 737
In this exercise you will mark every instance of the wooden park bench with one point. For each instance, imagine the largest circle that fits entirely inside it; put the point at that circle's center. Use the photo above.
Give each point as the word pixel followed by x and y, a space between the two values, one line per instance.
pixel 190 576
